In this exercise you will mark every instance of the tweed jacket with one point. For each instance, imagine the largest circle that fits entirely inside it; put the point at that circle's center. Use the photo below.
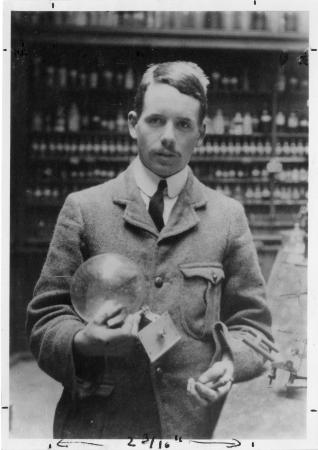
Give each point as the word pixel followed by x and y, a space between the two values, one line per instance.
pixel 211 285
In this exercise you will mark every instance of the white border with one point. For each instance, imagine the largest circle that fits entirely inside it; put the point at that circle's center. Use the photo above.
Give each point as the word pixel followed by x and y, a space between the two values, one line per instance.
pixel 311 443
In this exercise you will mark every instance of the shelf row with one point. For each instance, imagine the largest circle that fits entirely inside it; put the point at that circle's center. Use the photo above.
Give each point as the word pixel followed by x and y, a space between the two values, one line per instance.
pixel 217 173
pixel 73 117
pixel 126 159
pixel 50 77
pixel 244 21
pixel 123 133
pixel 124 147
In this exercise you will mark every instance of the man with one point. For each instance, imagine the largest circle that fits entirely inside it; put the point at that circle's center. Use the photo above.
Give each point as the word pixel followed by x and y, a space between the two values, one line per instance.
pixel 198 258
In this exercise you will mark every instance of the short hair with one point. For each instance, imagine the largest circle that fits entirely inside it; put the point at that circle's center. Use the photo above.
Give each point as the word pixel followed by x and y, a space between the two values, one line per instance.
pixel 187 77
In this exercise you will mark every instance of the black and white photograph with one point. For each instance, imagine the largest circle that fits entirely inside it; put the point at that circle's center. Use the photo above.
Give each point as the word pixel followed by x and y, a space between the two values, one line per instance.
pixel 158 220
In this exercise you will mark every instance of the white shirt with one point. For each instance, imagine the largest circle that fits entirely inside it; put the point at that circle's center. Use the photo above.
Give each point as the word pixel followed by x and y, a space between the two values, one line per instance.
pixel 148 181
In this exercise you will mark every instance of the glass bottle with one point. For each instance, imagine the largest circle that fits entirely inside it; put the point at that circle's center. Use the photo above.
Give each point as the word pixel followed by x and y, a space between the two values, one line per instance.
pixel 238 124
pixel 292 122
pixel 93 78
pixel 37 121
pixel 62 74
pixel 218 122
pixel 73 78
pixel 280 121
pixel 60 119
pixel 129 79
pixel 215 78
pixel 73 120
pixel 265 121
pixel 247 124
pixel 50 76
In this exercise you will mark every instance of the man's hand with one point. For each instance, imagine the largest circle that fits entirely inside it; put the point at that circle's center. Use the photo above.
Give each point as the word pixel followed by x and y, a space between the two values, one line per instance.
pixel 213 384
pixel 110 332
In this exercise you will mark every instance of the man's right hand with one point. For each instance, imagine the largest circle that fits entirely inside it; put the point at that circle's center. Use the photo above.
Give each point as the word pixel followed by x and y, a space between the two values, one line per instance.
pixel 110 332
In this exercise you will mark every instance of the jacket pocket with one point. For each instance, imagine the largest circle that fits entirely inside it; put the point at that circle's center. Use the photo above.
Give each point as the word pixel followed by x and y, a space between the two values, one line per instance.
pixel 200 297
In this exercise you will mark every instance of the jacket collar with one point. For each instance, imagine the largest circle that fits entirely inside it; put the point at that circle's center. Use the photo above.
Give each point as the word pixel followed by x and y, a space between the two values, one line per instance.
pixel 183 216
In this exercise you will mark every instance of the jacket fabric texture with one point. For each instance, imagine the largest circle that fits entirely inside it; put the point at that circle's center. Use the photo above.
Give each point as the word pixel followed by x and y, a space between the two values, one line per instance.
pixel 212 287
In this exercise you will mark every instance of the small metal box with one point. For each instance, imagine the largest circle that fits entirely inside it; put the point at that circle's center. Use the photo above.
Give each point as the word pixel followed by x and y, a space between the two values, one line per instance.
pixel 159 336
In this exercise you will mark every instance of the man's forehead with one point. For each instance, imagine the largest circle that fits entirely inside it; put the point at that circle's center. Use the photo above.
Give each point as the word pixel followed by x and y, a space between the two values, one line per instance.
pixel 161 97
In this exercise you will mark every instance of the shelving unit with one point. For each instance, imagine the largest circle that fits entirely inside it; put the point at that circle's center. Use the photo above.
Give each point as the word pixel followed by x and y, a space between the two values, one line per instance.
pixel 57 64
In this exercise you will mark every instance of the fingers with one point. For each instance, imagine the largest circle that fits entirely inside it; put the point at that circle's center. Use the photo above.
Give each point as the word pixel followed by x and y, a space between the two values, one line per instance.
pixel 110 309
pixel 211 391
pixel 191 390
pixel 136 322
pixel 223 390
pixel 118 320
pixel 206 393
pixel 213 373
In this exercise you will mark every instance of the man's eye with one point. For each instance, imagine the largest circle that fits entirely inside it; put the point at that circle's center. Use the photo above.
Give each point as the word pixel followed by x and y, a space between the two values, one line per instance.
pixel 155 121
pixel 185 125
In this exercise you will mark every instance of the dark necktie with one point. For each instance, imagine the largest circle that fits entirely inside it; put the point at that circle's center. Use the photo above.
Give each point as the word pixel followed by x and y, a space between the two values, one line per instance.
pixel 156 205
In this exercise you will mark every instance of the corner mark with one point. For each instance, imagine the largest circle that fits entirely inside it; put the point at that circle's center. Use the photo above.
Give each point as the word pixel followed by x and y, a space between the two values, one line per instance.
pixel 313 410
pixel 53 5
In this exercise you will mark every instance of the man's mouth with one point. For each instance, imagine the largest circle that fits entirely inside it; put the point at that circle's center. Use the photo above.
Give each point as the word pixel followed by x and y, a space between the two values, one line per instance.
pixel 166 154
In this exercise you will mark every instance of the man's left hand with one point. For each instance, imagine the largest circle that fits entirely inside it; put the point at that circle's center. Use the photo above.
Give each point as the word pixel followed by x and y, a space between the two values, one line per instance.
pixel 213 384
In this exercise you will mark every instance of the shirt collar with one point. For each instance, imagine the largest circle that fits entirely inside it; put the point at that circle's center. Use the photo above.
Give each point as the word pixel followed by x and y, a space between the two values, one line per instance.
pixel 148 181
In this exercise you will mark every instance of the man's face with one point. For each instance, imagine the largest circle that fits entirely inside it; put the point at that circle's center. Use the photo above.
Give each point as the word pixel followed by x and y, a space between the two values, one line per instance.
pixel 168 129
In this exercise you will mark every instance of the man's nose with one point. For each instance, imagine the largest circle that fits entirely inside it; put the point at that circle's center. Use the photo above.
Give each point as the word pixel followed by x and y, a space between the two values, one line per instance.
pixel 168 138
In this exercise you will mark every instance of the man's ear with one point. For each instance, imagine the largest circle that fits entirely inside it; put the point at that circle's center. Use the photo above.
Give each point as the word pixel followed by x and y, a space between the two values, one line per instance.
pixel 132 122
pixel 201 134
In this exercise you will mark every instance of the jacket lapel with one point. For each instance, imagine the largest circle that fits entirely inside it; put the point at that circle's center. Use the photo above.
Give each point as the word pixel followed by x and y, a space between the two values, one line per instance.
pixel 127 195
pixel 182 218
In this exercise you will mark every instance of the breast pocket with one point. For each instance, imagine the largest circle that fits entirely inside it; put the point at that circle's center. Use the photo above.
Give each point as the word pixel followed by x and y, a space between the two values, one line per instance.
pixel 200 297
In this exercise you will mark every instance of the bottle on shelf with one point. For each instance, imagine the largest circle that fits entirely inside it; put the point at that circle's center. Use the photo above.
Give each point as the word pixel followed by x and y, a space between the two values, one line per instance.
pixel 280 121
pixel 37 121
pixel 120 122
pixel 50 76
pixel 292 122
pixel 93 78
pixel 73 118
pixel 218 122
pixel 60 121
pixel 303 124
pixel 237 125
pixel 82 78
pixel 281 82
pixel 62 74
pixel 265 121
pixel 73 78
pixel 129 79
pixel 255 123
pixel 215 81
pixel 247 124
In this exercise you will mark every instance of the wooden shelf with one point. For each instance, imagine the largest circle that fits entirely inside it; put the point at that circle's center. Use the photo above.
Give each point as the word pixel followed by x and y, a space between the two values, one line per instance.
pixel 286 135
pixel 249 180
pixel 75 159
pixel 81 134
pixel 175 38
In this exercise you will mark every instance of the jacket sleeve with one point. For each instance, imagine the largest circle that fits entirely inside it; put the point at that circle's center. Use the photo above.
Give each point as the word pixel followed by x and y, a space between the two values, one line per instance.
pixel 243 306
pixel 51 321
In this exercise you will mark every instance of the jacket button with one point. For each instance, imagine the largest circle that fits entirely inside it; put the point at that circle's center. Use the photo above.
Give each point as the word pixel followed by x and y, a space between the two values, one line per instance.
pixel 159 372
pixel 158 282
